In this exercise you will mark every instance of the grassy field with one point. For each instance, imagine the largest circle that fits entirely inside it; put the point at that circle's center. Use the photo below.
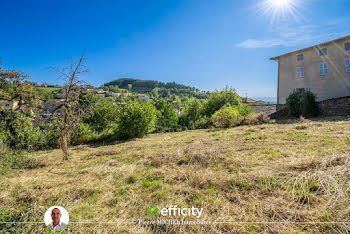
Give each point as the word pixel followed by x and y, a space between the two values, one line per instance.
pixel 291 177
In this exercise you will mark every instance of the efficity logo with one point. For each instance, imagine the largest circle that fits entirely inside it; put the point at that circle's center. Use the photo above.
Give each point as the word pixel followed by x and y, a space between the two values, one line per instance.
pixel 175 211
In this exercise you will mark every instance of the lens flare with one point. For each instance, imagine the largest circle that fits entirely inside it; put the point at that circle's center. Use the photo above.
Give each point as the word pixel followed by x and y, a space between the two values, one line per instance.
pixel 280 4
pixel 281 9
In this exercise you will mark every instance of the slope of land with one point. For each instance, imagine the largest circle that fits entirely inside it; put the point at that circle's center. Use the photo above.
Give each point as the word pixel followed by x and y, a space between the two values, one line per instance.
pixel 146 86
pixel 296 176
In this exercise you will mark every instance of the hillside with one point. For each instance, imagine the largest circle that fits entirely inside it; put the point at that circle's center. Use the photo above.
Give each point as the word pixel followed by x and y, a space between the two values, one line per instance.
pixel 146 86
pixel 277 173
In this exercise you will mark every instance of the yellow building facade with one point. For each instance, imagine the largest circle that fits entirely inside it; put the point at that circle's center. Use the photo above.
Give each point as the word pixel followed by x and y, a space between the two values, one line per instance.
pixel 323 69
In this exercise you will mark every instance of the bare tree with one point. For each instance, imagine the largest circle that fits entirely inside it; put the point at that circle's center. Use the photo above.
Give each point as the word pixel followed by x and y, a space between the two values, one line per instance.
pixel 71 110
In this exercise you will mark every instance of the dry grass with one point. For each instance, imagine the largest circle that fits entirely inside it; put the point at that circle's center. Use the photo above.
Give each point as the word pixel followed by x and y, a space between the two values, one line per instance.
pixel 275 173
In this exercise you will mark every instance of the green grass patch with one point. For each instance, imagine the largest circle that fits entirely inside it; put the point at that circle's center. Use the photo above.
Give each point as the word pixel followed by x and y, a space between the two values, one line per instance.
pixel 47 89
pixel 152 184
pixel 256 137
pixel 270 153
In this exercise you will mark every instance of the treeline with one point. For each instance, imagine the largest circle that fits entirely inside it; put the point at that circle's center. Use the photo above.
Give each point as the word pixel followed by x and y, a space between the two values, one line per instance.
pixel 164 89
pixel 106 120
pixel 84 117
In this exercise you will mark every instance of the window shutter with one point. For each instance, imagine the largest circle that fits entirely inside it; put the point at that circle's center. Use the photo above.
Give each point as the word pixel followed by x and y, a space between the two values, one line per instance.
pixel 325 68
pixel 347 62
pixel 302 72
pixel 321 68
pixel 347 65
pixel 347 46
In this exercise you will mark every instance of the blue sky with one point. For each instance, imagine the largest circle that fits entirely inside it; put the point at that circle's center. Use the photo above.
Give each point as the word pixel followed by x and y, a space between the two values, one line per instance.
pixel 203 43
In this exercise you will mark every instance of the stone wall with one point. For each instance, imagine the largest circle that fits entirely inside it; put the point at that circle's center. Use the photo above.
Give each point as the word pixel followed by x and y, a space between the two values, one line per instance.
pixel 335 106
pixel 331 107
pixel 265 108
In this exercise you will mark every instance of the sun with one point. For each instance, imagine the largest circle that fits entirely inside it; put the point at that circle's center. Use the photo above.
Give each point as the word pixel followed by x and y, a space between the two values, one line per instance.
pixel 280 4
pixel 281 9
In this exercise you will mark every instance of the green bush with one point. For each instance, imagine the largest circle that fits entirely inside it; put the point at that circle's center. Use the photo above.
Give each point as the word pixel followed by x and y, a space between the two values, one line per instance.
pixel 302 103
pixel 219 99
pixel 191 113
pixel 12 219
pixel 245 111
pixel 228 116
pixel 83 134
pixel 204 122
pixel 104 114
pixel 50 134
pixel 136 119
pixel 17 131
pixel 167 117
pixel 14 159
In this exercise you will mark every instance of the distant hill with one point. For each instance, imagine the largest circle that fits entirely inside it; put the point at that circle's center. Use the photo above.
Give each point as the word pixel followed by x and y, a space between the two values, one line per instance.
pixel 146 86
pixel 272 100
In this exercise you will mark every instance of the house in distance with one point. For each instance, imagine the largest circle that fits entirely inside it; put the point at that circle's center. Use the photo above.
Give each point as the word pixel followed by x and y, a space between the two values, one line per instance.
pixel 323 69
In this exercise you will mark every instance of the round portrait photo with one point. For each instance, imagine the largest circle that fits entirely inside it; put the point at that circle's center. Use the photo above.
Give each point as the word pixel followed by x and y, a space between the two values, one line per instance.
pixel 56 218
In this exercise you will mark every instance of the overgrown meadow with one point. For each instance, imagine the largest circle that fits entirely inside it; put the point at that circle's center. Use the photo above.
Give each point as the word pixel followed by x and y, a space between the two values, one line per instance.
pixel 247 172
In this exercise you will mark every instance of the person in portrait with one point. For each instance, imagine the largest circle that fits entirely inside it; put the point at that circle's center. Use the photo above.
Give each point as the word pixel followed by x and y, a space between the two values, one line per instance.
pixel 57 224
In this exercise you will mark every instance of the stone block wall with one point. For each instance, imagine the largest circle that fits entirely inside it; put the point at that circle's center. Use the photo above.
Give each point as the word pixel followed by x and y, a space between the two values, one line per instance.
pixel 330 107
pixel 264 108
pixel 335 106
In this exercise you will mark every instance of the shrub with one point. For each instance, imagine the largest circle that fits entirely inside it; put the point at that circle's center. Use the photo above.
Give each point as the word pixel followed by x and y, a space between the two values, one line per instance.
pixel 302 103
pixel 245 111
pixel 11 219
pixel 260 118
pixel 83 134
pixel 50 134
pixel 14 159
pixel 227 116
pixel 191 113
pixel 167 117
pixel 219 99
pixel 136 119
pixel 17 131
pixel 104 114
pixel 203 122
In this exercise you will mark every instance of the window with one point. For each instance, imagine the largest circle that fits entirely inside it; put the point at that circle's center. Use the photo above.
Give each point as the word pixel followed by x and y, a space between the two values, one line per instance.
pixel 323 69
pixel 347 46
pixel 347 65
pixel 300 72
pixel 300 57
pixel 323 51
pixel 301 90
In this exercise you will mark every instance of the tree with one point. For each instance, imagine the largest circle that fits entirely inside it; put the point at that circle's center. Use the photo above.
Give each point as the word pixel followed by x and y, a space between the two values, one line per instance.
pixel 302 103
pixel 219 99
pixel 245 111
pixel 72 109
pixel 114 88
pixel 168 93
pixel 136 119
pixel 17 131
pixel 228 116
pixel 129 87
pixel 191 113
pixel 103 114
pixel 13 86
pixel 167 118
pixel 155 93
